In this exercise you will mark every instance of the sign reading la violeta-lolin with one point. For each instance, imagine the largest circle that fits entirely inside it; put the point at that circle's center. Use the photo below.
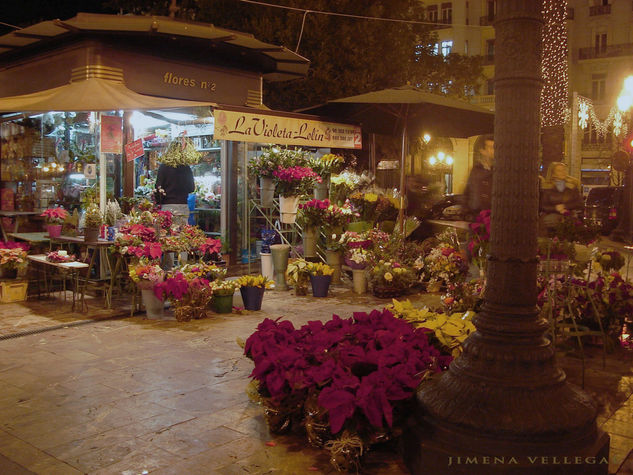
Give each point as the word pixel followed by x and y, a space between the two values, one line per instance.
pixel 265 128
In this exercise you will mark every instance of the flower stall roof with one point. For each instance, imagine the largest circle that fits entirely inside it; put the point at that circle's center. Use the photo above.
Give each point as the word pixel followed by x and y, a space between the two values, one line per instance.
pixel 276 63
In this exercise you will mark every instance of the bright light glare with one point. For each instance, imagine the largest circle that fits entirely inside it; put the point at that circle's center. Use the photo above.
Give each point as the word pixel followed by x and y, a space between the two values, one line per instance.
pixel 628 84
pixel 440 156
pixel 433 160
pixel 449 160
pixel 427 138
pixel 625 101
pixel 76 176
pixel 45 169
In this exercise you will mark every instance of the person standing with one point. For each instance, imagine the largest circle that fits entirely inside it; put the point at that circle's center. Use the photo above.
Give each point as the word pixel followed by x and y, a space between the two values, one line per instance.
pixel 478 192
pixel 173 185
pixel 560 195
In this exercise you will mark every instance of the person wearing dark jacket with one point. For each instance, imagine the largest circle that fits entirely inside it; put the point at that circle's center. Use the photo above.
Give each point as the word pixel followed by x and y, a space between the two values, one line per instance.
pixel 560 194
pixel 478 192
pixel 173 185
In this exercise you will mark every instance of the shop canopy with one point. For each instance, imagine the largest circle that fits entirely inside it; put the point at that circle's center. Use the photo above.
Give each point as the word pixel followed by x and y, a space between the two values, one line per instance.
pixel 94 94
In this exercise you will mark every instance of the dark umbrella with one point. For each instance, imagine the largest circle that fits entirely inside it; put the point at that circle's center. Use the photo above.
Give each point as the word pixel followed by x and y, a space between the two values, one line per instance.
pixel 408 110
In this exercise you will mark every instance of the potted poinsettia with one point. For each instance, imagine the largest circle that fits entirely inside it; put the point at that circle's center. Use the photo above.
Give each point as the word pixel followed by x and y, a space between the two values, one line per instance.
pixel 55 219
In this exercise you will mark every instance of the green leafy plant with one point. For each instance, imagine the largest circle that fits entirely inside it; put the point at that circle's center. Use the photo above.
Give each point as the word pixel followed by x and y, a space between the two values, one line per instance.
pixel 181 151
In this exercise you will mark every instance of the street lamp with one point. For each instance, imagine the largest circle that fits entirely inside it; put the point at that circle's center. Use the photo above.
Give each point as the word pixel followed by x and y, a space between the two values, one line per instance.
pixel 624 231
pixel 443 164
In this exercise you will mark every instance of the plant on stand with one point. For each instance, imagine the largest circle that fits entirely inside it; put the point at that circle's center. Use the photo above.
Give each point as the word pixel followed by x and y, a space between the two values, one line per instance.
pixel 264 166
pixel 442 266
pixel 54 219
pixel 13 261
pixel 92 221
pixel 358 258
pixel 325 166
pixel 311 216
pixel 291 183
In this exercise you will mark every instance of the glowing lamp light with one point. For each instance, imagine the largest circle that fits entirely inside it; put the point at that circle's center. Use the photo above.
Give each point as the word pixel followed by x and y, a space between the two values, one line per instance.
pixel 433 160
pixel 625 101
pixel 449 160
pixel 426 138
pixel 628 84
pixel 45 169
pixel 440 156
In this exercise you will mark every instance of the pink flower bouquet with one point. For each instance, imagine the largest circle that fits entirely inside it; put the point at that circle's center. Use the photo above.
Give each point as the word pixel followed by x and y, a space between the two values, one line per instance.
pixel 55 215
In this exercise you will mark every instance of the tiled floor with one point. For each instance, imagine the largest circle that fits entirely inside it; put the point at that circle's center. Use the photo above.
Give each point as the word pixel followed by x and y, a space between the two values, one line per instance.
pixel 137 396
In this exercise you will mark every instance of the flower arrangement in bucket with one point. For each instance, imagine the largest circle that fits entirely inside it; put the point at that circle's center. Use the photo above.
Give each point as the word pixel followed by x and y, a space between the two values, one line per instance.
pixel 327 164
pixel 264 165
pixel 357 258
pixel 295 180
pixel 252 288
pixel 13 260
pixel 320 278
pixel 313 212
pixel 347 382
pixel 223 291
pixel 390 279
pixel 146 274
pixel 111 216
pixel 443 265
pixel 190 295
pixel 607 260
pixel 54 219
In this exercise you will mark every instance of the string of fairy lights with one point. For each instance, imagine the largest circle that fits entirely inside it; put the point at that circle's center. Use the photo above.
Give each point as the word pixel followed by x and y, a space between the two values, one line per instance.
pixel 554 65
pixel 614 122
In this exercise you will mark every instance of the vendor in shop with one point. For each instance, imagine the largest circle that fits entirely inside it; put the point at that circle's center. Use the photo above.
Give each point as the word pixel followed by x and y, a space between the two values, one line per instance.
pixel 173 185
pixel 560 195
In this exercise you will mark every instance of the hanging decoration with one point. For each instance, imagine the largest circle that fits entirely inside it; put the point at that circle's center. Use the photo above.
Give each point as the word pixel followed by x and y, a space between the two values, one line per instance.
pixel 554 67
pixel 587 115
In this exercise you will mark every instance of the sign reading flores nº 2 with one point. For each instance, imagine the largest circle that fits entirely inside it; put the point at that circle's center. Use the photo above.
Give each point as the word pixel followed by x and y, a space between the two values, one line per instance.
pixel 249 127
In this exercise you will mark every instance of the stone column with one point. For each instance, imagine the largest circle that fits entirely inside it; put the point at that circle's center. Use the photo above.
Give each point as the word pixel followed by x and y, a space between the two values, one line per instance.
pixel 505 398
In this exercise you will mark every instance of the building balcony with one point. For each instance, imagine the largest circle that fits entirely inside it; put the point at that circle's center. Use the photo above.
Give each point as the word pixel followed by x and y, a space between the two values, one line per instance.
pixel 443 23
pixel 486 20
pixel 485 101
pixel 595 147
pixel 599 10
pixel 611 51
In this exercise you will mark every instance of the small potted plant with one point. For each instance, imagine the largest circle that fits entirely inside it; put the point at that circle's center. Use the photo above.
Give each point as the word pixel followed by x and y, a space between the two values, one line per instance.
pixel 55 219
pixel 92 221
pixel 12 259
pixel 291 183
pixel 298 274
pixel 320 278
pixel 390 279
pixel 223 291
pixel 252 288
pixel 147 275
pixel 358 258
pixel 111 216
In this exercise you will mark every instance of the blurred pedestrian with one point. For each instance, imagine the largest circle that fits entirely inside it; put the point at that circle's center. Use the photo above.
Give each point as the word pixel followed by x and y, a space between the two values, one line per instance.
pixel 478 191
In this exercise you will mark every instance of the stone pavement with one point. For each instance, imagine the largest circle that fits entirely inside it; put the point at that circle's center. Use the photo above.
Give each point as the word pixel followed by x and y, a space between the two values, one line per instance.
pixel 141 396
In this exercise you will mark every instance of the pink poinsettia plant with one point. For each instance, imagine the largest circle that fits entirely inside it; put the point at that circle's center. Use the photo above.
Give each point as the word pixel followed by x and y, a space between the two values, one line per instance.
pixel 292 181
pixel 363 370
pixel 55 215
pixel 137 240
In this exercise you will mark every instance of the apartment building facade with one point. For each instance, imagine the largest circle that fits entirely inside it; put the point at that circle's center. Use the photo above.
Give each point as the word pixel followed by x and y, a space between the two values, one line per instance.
pixel 600 42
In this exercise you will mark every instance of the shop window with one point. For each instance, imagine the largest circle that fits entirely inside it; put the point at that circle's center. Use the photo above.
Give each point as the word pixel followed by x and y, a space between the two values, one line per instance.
pixel 446 47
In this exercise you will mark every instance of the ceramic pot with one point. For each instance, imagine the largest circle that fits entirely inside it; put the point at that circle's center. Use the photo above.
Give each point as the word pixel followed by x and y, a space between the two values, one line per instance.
pixel 310 236
pixel 334 259
pixel 359 279
pixel 91 234
pixel 288 206
pixel 320 285
pixel 280 254
pixel 54 230
pixel 267 265
pixel 222 303
pixel 321 191
pixel 267 192
pixel 252 297
pixel 154 307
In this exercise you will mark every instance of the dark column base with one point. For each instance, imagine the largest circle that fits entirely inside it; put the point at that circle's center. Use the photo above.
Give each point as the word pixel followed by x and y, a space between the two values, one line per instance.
pixel 424 455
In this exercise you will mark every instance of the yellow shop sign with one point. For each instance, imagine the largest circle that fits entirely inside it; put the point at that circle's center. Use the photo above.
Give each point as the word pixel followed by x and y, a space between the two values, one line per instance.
pixel 265 128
